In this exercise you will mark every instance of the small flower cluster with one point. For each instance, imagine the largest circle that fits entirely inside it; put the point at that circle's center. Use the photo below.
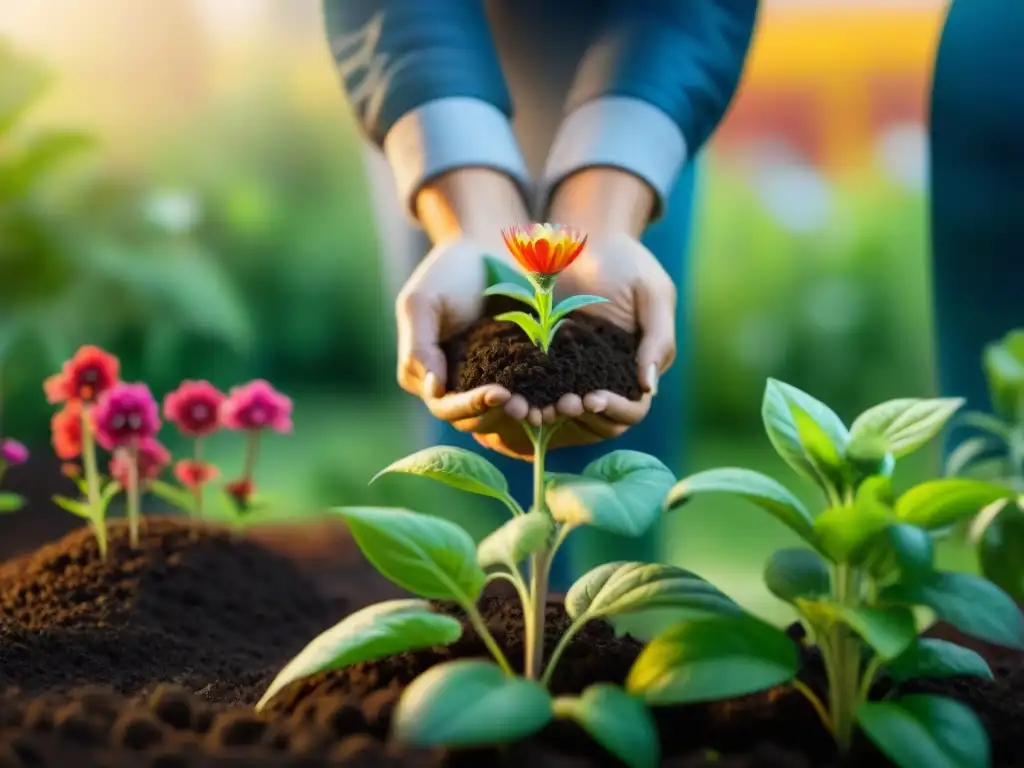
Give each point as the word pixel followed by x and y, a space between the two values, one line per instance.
pixel 124 418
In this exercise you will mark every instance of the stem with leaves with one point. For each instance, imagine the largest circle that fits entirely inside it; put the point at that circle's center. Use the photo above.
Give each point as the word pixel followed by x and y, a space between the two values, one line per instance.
pixel 540 562
pixel 92 483
pixel 197 491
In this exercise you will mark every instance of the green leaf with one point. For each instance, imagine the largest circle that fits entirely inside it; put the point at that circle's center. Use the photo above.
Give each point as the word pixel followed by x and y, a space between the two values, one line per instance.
pixel 573 303
pixel 932 731
pixel 469 703
pixel 868 456
pixel 845 533
pixel 888 630
pixel 425 555
pixel 513 291
pixel 618 588
pixel 821 452
pixel 756 488
pixel 1004 370
pixel 11 502
pixel 968 452
pixel 41 154
pixel 971 604
pixel 621 492
pixel 906 424
pixel 797 573
pixel 940 503
pixel 783 432
pixel 175 496
pixel 901 549
pixel 110 490
pixel 456 467
pixel 499 272
pixel 74 507
pixel 531 327
pixel 514 541
pixel 718 658
pixel 929 657
pixel 986 422
pixel 1001 550
pixel 375 632
pixel 615 720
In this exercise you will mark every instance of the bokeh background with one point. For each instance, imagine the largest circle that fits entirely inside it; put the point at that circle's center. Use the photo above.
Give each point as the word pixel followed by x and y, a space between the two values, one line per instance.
pixel 181 183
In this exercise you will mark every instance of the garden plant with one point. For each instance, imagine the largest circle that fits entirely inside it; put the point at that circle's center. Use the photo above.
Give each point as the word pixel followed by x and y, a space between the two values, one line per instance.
pixel 868 563
pixel 997 453
pixel 100 411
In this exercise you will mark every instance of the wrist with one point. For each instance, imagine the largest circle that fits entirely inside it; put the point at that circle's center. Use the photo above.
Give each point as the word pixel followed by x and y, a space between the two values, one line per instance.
pixel 470 202
pixel 603 201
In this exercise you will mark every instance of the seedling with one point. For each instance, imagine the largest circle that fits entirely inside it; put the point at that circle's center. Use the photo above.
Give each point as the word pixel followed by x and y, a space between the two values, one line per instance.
pixel 869 563
pixel 471 702
pixel 543 251
pixel 997 453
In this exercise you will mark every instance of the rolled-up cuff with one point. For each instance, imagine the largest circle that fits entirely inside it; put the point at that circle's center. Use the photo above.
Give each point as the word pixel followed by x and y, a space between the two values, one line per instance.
pixel 617 132
pixel 449 133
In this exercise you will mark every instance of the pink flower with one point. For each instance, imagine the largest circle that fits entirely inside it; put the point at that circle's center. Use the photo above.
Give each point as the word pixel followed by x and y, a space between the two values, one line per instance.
pixel 193 406
pixel 194 474
pixel 86 376
pixel 12 453
pixel 125 414
pixel 152 458
pixel 257 405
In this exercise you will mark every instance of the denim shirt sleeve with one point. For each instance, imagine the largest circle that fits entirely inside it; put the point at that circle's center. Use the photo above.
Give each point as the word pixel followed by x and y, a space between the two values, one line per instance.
pixel 425 84
pixel 652 88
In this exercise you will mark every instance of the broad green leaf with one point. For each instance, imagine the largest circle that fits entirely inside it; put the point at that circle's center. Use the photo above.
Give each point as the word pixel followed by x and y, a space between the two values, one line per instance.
pixel 918 731
pixel 720 658
pixel 969 452
pixel 499 272
pixel 971 604
pixel 889 630
pixel 456 467
pixel 527 322
pixel 797 573
pixel 11 502
pixel 78 508
pixel 425 555
pixel 777 413
pixel 769 494
pixel 573 303
pixel 906 424
pixel 622 492
pixel 820 450
pixel 173 495
pixel 901 549
pixel 939 503
pixel 615 720
pixel 1001 551
pixel 929 657
pixel 1004 370
pixel 469 703
pixel 375 632
pixel 868 456
pixel 618 588
pixel 513 291
pixel 514 541
pixel 844 533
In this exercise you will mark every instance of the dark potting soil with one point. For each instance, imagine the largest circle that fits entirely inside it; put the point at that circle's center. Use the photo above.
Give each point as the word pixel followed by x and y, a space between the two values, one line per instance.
pixel 341 718
pixel 588 354
pixel 194 604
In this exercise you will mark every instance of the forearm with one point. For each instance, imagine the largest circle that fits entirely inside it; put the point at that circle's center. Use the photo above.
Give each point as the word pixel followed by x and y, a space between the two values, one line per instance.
pixel 470 202
pixel 603 201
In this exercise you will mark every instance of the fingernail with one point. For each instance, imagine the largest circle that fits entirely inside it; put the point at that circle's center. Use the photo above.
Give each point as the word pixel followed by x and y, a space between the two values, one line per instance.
pixel 596 405
pixel 430 385
pixel 652 379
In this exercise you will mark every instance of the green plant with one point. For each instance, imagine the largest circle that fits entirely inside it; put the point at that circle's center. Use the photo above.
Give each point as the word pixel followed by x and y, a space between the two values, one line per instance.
pixel 869 564
pixel 998 454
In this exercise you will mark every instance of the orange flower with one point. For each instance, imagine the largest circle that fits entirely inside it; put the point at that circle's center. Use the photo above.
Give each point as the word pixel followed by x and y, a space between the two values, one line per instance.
pixel 66 426
pixel 193 474
pixel 84 377
pixel 544 249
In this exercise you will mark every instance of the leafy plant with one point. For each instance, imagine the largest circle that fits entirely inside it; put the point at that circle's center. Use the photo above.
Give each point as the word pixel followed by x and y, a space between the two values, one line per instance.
pixel 714 650
pixel 997 453
pixel 869 563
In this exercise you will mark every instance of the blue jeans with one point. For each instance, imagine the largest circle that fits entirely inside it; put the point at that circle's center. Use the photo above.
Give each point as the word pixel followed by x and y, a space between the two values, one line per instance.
pixel 660 434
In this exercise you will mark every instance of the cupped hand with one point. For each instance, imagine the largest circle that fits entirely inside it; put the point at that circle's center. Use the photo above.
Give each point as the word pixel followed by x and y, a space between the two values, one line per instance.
pixel 441 298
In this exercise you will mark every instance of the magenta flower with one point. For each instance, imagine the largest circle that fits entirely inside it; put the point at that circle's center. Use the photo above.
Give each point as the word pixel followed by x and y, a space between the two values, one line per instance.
pixel 12 453
pixel 125 414
pixel 255 406
pixel 152 459
pixel 194 407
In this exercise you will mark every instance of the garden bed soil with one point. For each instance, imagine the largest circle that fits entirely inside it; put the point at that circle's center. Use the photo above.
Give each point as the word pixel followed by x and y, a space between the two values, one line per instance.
pixel 216 617
pixel 588 354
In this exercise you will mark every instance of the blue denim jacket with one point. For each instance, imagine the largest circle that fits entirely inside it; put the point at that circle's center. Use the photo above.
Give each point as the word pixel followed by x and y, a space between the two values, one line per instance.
pixel 653 80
